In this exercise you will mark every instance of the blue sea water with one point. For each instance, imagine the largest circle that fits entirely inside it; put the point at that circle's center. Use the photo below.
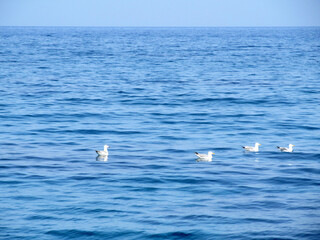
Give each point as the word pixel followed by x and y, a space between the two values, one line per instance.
pixel 155 96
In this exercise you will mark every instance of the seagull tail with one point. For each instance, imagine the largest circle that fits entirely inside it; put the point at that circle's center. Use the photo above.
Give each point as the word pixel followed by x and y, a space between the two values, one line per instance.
pixel 243 147
pixel 278 147
pixel 196 153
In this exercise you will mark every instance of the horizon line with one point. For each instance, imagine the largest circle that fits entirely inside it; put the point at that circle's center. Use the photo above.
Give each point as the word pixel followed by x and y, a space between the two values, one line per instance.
pixel 98 26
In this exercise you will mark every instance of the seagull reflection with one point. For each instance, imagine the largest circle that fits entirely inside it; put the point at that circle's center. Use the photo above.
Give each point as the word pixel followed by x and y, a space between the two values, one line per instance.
pixel 102 158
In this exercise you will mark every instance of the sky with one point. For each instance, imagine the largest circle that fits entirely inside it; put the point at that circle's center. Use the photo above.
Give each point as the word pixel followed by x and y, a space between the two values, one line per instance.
pixel 160 13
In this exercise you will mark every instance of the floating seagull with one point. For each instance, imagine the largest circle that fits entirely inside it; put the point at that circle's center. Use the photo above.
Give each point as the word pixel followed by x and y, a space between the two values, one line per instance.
pixel 252 149
pixel 204 157
pixel 103 153
pixel 284 149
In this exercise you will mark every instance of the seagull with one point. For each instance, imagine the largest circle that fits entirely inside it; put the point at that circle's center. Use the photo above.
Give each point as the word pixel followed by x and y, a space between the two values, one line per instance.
pixel 103 153
pixel 284 149
pixel 204 157
pixel 252 149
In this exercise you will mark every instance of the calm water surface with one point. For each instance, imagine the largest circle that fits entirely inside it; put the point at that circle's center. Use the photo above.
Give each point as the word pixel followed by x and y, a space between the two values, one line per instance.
pixel 157 95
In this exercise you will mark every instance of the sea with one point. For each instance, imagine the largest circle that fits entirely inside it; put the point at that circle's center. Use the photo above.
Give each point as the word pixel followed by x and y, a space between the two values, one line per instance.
pixel 156 96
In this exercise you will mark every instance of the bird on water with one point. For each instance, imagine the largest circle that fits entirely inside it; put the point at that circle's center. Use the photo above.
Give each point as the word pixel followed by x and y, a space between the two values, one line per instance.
pixel 204 157
pixel 103 153
pixel 286 149
pixel 252 149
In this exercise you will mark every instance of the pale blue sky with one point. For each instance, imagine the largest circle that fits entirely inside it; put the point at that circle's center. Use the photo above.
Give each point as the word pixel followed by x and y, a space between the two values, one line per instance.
pixel 160 13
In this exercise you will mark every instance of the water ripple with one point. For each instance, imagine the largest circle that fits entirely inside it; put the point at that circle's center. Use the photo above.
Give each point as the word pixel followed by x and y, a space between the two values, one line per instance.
pixel 156 96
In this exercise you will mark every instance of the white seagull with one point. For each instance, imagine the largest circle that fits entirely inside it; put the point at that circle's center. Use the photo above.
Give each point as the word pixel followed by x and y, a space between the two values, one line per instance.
pixel 284 149
pixel 252 149
pixel 204 157
pixel 103 153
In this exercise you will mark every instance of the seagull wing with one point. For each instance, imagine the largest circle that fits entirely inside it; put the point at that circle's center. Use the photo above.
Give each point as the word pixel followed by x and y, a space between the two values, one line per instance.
pixel 249 148
pixel 283 149
pixel 101 153
pixel 199 155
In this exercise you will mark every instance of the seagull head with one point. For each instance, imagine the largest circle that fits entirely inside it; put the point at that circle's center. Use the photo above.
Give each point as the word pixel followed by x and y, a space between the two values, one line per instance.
pixel 210 153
